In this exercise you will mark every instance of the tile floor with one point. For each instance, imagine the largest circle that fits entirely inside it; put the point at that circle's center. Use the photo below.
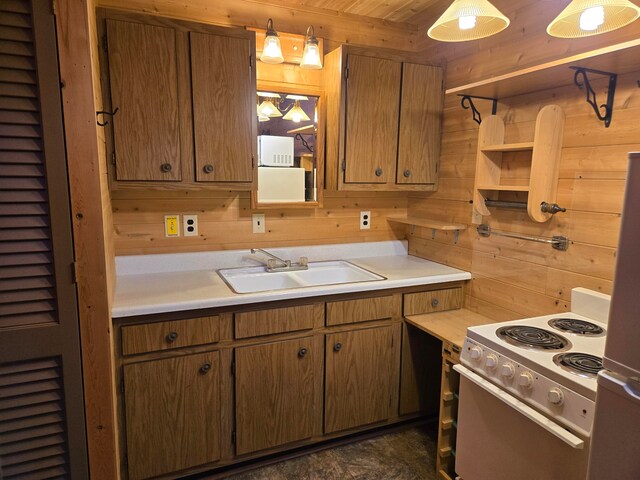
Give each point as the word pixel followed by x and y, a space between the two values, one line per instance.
pixel 405 455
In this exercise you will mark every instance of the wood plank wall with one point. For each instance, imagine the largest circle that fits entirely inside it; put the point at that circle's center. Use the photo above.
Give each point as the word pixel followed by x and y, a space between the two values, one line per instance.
pixel 224 220
pixel 514 278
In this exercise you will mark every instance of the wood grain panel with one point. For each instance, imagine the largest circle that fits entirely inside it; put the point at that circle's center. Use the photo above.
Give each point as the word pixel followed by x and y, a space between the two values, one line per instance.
pixel 182 418
pixel 277 381
pixel 363 310
pixel 420 120
pixel 224 120
pixel 276 320
pixel 359 377
pixel 143 74
pixel 432 301
pixel 150 337
pixel 373 102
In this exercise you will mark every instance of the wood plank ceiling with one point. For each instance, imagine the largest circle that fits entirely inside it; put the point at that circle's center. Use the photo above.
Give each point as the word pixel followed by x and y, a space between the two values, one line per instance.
pixel 406 11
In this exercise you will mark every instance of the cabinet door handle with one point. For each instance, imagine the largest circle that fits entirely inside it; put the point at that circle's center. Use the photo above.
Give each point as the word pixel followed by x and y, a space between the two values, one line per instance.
pixel 208 168
pixel 407 173
pixel 378 172
pixel 435 302
pixel 302 352
pixel 165 167
pixel 204 369
pixel 337 347
pixel 171 337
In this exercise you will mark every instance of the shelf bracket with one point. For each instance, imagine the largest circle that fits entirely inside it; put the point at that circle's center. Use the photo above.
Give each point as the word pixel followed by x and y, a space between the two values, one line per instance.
pixel 581 79
pixel 467 103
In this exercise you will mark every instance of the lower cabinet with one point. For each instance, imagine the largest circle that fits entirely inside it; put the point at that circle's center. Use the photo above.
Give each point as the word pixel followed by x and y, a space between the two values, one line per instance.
pixel 278 393
pixel 361 377
pixel 172 412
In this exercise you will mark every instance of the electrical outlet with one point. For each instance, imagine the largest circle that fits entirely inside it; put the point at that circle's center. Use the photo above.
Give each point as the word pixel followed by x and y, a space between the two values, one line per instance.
pixel 190 225
pixel 258 222
pixel 365 220
pixel 172 225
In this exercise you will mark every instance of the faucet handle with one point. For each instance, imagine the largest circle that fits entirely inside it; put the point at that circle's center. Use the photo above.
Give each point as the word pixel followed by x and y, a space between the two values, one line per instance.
pixel 303 261
pixel 271 263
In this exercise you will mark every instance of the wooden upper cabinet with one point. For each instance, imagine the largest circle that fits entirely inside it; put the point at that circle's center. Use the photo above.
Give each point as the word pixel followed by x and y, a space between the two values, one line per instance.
pixel 144 89
pixel 173 414
pixel 371 137
pixel 224 94
pixel 420 119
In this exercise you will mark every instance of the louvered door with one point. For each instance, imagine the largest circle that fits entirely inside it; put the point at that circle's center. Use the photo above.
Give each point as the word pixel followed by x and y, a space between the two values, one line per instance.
pixel 41 404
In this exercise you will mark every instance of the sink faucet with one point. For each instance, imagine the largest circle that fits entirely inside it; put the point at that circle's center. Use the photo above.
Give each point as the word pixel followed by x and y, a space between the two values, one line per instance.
pixel 276 264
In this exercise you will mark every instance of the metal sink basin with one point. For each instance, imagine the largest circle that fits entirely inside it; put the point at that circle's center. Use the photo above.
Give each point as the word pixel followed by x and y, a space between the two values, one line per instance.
pixel 256 279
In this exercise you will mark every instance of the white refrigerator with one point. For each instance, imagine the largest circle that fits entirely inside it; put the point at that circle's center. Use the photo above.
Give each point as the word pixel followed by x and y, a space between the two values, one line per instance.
pixel 615 444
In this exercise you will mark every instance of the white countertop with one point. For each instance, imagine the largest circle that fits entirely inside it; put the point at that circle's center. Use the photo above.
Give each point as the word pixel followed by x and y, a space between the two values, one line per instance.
pixel 151 284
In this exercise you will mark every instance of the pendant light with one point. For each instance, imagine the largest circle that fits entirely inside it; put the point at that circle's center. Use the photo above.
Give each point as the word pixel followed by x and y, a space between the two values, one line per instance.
pixel 296 114
pixel 271 52
pixel 468 20
pixel 583 18
pixel 311 54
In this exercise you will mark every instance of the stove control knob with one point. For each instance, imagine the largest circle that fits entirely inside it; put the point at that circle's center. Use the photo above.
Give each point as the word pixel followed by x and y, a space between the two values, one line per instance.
pixel 508 370
pixel 525 380
pixel 475 352
pixel 555 396
pixel 491 362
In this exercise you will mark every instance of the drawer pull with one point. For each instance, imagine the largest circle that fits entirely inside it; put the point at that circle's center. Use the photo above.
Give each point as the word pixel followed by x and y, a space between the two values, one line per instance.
pixel 208 168
pixel 435 302
pixel 302 352
pixel 407 173
pixel 337 347
pixel 378 172
pixel 171 337
pixel 204 369
pixel 165 167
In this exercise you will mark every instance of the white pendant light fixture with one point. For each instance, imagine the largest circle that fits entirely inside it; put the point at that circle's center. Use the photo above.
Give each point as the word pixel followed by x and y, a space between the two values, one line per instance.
pixel 296 114
pixel 468 20
pixel 311 54
pixel 583 18
pixel 271 51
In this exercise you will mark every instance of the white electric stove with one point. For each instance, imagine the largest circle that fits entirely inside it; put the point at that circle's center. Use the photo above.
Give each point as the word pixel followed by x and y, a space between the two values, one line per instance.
pixel 545 369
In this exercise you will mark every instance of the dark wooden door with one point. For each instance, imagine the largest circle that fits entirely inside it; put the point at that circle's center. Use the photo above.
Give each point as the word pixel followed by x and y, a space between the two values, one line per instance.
pixel 420 120
pixel 371 137
pixel 172 414
pixel 42 431
pixel 361 377
pixel 144 88
pixel 278 393
pixel 224 112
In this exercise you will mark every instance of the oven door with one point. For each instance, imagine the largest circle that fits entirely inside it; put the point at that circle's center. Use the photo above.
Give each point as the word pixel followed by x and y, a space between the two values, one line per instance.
pixel 501 438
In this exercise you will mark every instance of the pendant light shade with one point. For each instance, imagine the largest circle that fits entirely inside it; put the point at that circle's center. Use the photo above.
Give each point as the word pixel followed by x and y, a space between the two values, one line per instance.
pixel 268 109
pixel 468 20
pixel 311 54
pixel 296 114
pixel 583 18
pixel 271 52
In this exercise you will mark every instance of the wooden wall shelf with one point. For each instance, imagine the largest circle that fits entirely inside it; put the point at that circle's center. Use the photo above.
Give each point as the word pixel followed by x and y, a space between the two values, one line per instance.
pixel 432 224
pixel 620 58
pixel 545 159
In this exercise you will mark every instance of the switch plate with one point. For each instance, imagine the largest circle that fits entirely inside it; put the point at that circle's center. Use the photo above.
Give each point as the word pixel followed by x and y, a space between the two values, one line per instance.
pixel 172 225
pixel 365 220
pixel 257 219
pixel 190 225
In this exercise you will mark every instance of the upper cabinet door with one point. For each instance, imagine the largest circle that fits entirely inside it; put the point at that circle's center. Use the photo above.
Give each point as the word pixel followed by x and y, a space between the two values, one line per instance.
pixel 420 120
pixel 144 88
pixel 224 116
pixel 373 93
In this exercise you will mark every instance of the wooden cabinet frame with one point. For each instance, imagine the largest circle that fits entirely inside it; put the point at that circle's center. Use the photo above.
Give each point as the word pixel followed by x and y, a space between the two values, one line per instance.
pixel 185 105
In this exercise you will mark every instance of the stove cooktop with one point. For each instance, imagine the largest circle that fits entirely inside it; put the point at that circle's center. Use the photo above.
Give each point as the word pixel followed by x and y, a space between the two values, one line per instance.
pixel 538 342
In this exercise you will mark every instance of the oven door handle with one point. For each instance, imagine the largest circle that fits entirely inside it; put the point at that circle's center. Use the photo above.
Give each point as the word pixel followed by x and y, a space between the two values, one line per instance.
pixel 523 408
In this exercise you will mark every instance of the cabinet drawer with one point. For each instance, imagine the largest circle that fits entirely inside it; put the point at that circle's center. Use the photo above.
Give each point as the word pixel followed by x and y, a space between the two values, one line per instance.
pixel 433 301
pixel 151 337
pixel 361 310
pixel 275 320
